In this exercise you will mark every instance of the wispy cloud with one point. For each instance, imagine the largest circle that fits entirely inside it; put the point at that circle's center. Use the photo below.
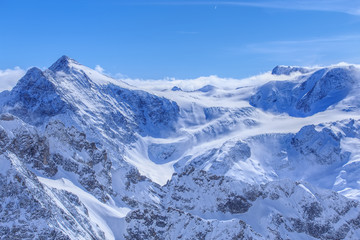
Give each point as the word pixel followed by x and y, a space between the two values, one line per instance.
pixel 344 6
pixel 314 45
pixel 99 69
pixel 9 77
pixel 186 32
pixel 307 51
pixel 333 39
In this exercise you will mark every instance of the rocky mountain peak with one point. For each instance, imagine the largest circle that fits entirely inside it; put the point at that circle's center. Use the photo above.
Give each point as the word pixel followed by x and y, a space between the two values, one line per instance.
pixel 33 77
pixel 32 74
pixel 287 70
pixel 64 63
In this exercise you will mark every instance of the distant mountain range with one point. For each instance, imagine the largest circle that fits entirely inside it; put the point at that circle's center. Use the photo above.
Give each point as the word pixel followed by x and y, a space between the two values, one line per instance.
pixel 86 156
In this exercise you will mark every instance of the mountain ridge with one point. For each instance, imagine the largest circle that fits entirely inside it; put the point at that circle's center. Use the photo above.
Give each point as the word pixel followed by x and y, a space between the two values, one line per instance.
pixel 158 161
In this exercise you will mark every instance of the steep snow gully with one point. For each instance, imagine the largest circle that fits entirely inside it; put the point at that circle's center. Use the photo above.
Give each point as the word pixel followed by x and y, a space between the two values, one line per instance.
pixel 274 156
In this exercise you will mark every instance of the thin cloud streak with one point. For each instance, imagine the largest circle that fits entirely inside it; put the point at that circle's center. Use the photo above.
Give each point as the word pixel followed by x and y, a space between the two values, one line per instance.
pixel 299 45
pixel 305 52
pixel 341 38
pixel 347 6
pixel 186 32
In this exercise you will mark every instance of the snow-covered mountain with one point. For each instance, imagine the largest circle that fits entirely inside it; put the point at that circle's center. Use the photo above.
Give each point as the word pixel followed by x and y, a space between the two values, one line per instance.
pixel 275 156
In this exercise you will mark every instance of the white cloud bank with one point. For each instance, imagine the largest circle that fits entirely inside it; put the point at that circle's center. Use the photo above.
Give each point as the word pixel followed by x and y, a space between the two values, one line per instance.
pixel 197 83
pixel 9 77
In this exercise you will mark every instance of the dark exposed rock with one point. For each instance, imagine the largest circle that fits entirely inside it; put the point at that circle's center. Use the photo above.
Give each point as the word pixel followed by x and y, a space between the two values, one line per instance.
pixel 176 224
pixel 312 211
pixel 235 205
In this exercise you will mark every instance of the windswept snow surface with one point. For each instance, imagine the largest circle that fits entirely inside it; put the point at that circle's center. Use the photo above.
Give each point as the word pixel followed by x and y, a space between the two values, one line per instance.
pixel 109 218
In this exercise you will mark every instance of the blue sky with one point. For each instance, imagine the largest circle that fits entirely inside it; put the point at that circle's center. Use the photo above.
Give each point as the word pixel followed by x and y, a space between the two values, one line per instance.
pixel 181 39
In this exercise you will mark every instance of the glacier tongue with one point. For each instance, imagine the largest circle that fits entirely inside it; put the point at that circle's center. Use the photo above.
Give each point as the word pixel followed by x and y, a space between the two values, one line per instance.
pixel 275 156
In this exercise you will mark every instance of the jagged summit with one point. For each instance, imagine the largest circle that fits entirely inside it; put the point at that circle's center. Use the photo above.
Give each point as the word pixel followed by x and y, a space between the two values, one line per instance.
pixel 31 75
pixel 77 72
pixel 63 64
pixel 34 70
pixel 287 70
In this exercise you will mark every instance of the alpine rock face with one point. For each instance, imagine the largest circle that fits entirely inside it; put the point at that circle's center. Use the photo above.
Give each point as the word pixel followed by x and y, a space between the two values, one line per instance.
pixel 275 156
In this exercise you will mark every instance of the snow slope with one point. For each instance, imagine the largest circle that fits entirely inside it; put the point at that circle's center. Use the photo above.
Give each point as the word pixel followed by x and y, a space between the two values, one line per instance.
pixel 108 217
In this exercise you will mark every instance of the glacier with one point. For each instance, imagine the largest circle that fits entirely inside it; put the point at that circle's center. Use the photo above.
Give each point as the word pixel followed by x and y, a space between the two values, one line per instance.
pixel 274 156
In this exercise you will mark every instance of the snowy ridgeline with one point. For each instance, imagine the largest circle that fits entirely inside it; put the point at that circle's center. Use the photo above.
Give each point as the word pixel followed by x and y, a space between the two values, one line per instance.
pixel 275 156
